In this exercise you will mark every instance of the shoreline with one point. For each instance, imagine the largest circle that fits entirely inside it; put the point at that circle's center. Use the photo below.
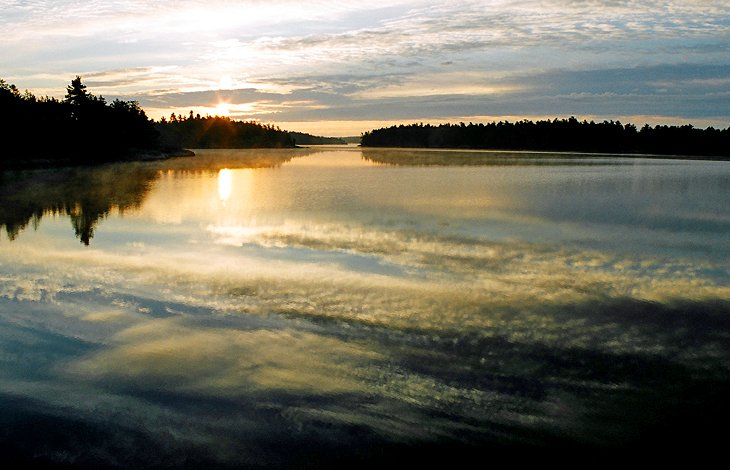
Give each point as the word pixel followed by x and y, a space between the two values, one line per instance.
pixel 146 155
pixel 550 152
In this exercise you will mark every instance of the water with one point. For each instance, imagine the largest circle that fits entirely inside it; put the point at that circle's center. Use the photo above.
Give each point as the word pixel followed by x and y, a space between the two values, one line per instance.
pixel 337 305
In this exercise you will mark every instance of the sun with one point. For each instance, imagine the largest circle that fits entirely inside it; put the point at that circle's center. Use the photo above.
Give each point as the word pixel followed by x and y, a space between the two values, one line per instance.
pixel 223 109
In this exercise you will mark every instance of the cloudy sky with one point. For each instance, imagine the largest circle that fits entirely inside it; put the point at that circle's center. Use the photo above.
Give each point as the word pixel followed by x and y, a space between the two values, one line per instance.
pixel 344 67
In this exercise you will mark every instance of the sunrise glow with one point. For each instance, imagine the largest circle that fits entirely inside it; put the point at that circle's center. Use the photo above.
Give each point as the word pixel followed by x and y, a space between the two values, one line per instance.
pixel 394 233
pixel 223 109
pixel 324 64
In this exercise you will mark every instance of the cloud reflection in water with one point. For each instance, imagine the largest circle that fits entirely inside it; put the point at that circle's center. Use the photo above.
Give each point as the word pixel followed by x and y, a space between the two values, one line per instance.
pixel 227 332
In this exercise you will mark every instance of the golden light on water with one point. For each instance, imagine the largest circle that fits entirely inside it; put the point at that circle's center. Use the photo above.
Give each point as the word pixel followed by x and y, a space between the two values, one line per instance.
pixel 225 184
pixel 290 280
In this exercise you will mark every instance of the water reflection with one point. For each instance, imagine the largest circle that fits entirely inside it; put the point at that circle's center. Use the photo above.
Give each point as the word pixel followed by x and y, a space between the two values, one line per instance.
pixel 85 195
pixel 216 160
pixel 225 184
pixel 329 310
pixel 431 157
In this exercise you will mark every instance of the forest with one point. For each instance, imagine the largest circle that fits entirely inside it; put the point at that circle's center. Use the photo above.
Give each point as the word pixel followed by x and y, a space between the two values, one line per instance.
pixel 81 128
pixel 195 131
pixel 300 138
pixel 569 135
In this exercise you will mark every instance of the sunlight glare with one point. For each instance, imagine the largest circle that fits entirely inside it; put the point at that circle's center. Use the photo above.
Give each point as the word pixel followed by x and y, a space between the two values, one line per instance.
pixel 225 184
pixel 223 109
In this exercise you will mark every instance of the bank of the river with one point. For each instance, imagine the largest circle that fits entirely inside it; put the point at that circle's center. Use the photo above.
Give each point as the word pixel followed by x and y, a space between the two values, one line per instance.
pixel 132 156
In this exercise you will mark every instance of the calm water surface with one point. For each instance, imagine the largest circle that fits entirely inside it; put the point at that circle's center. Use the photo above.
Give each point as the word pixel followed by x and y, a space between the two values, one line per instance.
pixel 323 306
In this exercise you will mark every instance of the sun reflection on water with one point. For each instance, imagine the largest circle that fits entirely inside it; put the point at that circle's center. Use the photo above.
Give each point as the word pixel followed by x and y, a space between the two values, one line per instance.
pixel 225 184
pixel 329 296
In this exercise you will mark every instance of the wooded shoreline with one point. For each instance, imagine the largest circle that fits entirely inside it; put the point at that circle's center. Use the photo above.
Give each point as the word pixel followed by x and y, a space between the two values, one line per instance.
pixel 84 129
pixel 564 135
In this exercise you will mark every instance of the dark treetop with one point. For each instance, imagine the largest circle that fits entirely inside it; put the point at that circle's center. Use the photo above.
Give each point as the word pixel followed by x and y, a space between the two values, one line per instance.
pixel 82 128
pixel 569 135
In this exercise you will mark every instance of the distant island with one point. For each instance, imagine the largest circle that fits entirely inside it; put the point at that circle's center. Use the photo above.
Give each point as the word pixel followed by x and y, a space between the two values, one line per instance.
pixel 207 132
pixel 300 138
pixel 561 135
pixel 210 132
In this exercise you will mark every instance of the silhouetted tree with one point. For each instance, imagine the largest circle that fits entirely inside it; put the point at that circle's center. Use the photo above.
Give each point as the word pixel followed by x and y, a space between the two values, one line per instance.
pixel 76 93
pixel 80 129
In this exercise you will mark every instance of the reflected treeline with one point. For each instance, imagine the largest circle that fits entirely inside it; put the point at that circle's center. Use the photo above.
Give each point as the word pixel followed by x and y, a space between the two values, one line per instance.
pixel 88 194
pixel 213 160
pixel 85 195
pixel 564 135
pixel 424 157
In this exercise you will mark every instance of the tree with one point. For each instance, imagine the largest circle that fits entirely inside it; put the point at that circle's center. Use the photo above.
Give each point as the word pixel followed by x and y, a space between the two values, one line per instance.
pixel 76 93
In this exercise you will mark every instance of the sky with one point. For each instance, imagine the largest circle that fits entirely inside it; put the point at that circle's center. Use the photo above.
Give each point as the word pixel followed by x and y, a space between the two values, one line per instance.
pixel 345 67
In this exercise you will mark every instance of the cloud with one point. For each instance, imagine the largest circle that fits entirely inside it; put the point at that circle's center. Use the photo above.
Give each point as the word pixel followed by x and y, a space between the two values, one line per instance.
pixel 452 84
pixel 381 60
pixel 226 361
pixel 593 92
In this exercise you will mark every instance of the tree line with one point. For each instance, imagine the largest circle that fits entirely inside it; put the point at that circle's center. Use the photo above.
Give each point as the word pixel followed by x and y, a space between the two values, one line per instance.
pixel 568 135
pixel 81 128
pixel 194 131
pixel 84 128
pixel 301 138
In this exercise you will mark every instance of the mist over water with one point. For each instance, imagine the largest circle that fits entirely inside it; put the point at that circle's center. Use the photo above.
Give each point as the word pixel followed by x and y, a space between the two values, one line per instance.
pixel 322 306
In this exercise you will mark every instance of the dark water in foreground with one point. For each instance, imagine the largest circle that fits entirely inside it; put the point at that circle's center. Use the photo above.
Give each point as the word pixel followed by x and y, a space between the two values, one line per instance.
pixel 319 307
